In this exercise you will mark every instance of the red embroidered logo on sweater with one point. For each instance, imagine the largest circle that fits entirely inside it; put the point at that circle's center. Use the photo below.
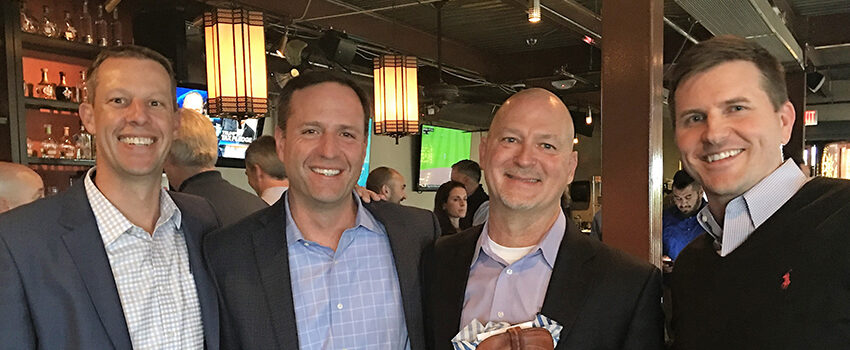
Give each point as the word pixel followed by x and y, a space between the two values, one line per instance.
pixel 786 280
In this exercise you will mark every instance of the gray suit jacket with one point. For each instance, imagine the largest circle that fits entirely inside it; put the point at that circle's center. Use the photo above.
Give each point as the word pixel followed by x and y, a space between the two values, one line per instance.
pixel 249 262
pixel 230 203
pixel 56 285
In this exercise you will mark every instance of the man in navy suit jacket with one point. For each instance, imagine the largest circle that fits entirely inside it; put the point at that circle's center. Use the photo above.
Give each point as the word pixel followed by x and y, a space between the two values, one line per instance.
pixel 114 262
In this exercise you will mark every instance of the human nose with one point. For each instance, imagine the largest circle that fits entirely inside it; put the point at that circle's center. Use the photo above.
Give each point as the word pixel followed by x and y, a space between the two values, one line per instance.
pixel 328 147
pixel 716 129
pixel 137 112
pixel 525 157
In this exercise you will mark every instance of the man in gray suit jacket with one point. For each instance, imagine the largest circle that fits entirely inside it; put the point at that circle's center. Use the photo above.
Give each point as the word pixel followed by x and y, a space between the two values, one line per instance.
pixel 320 269
pixel 114 262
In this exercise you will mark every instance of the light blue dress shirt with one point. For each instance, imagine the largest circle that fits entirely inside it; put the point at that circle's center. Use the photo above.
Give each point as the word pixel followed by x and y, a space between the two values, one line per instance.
pixel 498 291
pixel 348 298
pixel 745 213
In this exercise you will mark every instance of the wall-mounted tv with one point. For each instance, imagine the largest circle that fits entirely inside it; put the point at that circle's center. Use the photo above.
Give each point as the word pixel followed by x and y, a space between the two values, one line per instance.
pixel 439 149
pixel 234 136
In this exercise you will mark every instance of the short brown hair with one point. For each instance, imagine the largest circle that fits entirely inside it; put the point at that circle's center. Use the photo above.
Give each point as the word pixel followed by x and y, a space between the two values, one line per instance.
pixel 196 144
pixel 263 153
pixel 726 48
pixel 130 51
pixel 309 79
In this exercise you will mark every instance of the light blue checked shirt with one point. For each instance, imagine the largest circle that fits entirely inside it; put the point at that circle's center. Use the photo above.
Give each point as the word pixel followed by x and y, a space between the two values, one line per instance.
pixel 745 213
pixel 348 298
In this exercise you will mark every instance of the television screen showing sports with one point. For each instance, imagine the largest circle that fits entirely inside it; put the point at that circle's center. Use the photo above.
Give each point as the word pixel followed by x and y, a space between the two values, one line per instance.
pixel 441 148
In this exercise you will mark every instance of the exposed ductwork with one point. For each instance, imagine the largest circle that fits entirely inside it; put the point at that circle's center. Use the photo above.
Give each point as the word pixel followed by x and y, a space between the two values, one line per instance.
pixel 752 19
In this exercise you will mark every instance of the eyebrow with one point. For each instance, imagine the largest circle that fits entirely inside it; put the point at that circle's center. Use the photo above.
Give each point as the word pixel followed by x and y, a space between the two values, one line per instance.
pixel 534 136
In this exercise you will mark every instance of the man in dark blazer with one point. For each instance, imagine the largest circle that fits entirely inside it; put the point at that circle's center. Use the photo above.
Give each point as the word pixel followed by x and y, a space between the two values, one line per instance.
pixel 529 258
pixel 190 167
pixel 98 267
pixel 320 269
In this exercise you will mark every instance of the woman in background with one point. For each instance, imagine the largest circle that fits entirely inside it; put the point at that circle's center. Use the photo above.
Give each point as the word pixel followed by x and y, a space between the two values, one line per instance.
pixel 450 206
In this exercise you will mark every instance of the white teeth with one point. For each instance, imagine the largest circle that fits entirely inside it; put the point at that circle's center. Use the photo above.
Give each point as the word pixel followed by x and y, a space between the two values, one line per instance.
pixel 326 172
pixel 136 140
pixel 722 155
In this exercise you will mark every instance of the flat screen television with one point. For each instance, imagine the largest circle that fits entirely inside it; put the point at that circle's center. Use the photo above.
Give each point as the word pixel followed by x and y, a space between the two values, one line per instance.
pixel 234 136
pixel 439 149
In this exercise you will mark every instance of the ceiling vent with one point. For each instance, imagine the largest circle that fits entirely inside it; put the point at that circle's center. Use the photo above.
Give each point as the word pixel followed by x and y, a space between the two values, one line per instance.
pixel 751 19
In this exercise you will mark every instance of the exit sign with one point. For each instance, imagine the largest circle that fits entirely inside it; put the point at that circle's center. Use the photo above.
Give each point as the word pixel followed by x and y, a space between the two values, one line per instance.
pixel 810 118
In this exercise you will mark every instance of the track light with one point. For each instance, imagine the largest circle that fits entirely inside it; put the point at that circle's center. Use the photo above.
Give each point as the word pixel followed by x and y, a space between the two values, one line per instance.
pixel 534 12
pixel 589 119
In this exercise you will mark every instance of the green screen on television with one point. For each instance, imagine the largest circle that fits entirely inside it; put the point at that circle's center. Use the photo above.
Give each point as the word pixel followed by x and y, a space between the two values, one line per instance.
pixel 441 148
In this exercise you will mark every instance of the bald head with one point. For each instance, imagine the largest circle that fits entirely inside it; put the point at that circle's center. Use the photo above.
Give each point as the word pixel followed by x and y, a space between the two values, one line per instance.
pixel 19 185
pixel 535 103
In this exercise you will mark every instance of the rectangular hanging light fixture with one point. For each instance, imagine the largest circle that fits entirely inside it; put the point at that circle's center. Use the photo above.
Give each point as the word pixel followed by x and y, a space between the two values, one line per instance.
pixel 236 63
pixel 396 96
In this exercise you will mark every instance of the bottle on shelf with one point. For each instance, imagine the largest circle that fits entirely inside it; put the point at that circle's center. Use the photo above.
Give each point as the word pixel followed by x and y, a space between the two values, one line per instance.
pixel 82 90
pixel 69 31
pixel 117 33
pixel 67 148
pixel 101 28
pixel 45 89
pixel 63 91
pixel 84 144
pixel 28 22
pixel 48 27
pixel 49 148
pixel 86 27
pixel 30 150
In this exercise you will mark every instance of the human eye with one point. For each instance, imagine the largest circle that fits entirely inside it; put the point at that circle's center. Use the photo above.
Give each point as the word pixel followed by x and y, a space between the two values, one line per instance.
pixel 736 108
pixel 509 139
pixel 692 118
pixel 117 100
pixel 548 146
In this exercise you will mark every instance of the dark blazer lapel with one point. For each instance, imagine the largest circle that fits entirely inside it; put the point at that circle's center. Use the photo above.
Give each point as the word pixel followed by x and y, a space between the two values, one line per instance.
pixel 572 277
pixel 84 244
pixel 272 254
pixel 454 258
pixel 206 291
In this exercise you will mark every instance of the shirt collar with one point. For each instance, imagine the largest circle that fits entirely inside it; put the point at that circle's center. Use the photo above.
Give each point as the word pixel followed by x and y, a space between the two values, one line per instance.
pixel 363 218
pixel 549 245
pixel 762 200
pixel 112 223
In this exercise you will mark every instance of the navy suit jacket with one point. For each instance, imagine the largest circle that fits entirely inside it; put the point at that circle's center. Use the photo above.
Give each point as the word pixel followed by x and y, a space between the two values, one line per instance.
pixel 249 262
pixel 56 285
pixel 604 298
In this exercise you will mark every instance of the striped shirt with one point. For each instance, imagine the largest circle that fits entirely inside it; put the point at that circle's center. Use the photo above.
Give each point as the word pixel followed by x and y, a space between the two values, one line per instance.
pixel 745 213
pixel 348 298
pixel 155 285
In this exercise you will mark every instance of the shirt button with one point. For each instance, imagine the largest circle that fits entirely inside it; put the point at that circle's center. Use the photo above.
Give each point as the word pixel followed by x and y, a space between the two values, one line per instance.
pixel 703 218
pixel 339 306
pixel 306 244
pixel 510 272
pixel 500 314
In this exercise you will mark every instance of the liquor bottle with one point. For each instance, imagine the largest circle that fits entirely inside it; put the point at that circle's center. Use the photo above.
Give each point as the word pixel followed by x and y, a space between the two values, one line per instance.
pixel 86 28
pixel 84 144
pixel 28 22
pixel 117 33
pixel 45 89
pixel 48 27
pixel 67 148
pixel 49 148
pixel 101 28
pixel 69 31
pixel 82 90
pixel 63 91
pixel 30 150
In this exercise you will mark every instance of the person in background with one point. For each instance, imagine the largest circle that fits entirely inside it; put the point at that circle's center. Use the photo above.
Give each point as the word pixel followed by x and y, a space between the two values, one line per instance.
pixel 680 225
pixel 190 168
pixel 387 182
pixel 772 270
pixel 529 259
pixel 19 185
pixel 115 261
pixel 450 206
pixel 468 173
pixel 266 173
pixel 322 269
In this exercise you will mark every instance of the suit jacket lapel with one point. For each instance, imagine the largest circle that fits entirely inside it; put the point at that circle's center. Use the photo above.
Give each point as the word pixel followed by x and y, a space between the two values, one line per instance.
pixel 84 244
pixel 206 291
pixel 572 277
pixel 452 278
pixel 272 254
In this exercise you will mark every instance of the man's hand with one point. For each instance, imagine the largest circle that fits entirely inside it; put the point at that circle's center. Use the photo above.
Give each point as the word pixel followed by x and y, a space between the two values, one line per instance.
pixel 368 196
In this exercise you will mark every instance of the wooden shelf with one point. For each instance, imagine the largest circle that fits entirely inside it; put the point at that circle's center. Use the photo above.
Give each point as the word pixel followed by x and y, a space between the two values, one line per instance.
pixel 36 103
pixel 59 161
pixel 58 46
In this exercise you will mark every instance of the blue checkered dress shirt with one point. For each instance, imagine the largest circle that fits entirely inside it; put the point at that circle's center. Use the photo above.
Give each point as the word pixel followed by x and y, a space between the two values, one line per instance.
pixel 348 298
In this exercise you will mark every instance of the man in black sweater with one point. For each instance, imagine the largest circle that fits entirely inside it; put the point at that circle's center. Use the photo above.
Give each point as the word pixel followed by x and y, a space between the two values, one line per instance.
pixel 468 172
pixel 772 271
